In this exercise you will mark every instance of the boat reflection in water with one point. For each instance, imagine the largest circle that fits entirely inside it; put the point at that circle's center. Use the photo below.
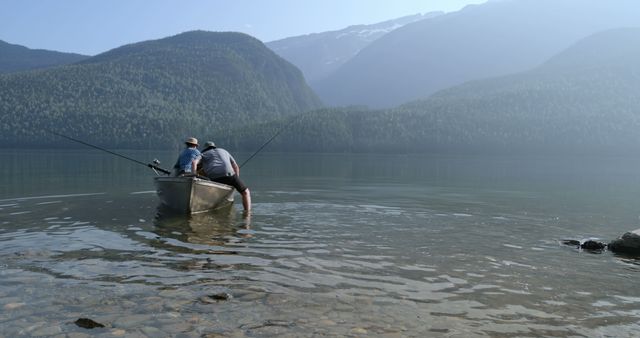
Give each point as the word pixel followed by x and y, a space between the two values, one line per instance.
pixel 217 228
pixel 207 241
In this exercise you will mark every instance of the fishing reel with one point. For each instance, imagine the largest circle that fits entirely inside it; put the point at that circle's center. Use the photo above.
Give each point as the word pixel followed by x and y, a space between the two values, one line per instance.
pixel 155 165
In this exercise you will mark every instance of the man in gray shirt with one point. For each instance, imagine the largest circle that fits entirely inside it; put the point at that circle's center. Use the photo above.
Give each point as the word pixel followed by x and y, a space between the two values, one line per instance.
pixel 219 166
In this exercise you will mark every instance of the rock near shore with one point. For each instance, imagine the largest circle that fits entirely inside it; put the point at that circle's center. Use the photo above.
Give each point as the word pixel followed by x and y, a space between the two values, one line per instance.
pixel 628 244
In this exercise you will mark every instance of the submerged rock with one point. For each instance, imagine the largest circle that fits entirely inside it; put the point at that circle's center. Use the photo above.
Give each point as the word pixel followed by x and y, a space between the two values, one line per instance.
pixel 87 323
pixel 221 296
pixel 12 306
pixel 268 323
pixel 628 244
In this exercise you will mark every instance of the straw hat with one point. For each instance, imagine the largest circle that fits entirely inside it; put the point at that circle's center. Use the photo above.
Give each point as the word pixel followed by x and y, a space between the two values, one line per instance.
pixel 192 140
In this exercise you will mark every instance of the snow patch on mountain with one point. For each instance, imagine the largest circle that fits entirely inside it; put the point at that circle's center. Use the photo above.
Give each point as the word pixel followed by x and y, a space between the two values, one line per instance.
pixel 366 33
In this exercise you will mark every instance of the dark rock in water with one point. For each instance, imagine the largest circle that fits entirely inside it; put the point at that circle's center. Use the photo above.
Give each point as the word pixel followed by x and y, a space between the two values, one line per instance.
pixel 87 323
pixel 268 322
pixel 593 245
pixel 571 242
pixel 221 296
pixel 216 297
pixel 589 244
pixel 628 244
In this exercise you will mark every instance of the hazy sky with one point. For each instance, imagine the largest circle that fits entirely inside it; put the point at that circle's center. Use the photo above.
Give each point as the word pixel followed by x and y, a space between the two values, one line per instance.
pixel 93 26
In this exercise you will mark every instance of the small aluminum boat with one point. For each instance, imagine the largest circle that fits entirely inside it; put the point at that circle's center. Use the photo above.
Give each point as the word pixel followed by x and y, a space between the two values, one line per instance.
pixel 191 194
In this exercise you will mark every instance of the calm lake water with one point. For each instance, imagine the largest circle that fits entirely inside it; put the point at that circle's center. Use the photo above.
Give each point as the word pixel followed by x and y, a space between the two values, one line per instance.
pixel 337 245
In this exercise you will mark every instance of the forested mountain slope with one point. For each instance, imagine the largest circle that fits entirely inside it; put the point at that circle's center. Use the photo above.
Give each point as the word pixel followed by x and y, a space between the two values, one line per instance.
pixel 153 93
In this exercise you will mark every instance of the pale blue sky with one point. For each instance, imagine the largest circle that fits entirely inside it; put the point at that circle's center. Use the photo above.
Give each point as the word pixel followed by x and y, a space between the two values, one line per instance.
pixel 92 26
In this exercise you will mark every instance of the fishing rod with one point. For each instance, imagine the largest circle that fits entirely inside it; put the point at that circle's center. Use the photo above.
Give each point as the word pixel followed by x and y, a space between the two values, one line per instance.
pixel 153 165
pixel 271 139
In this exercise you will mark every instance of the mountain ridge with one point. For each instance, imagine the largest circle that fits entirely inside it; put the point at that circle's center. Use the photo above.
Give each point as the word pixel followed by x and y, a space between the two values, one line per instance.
pixel 319 54
pixel 480 41
pixel 16 58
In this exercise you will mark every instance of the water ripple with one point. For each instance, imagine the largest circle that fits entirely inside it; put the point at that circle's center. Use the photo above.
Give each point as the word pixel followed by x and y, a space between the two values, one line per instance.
pixel 440 270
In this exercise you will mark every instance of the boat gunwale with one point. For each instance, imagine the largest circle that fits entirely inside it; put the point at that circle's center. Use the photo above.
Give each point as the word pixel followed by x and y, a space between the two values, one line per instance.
pixel 194 180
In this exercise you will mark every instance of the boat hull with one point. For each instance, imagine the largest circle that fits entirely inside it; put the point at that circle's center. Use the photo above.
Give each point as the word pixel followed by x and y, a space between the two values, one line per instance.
pixel 192 195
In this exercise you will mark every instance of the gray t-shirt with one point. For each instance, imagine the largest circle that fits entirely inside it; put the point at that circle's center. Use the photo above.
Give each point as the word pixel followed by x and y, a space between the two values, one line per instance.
pixel 216 163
